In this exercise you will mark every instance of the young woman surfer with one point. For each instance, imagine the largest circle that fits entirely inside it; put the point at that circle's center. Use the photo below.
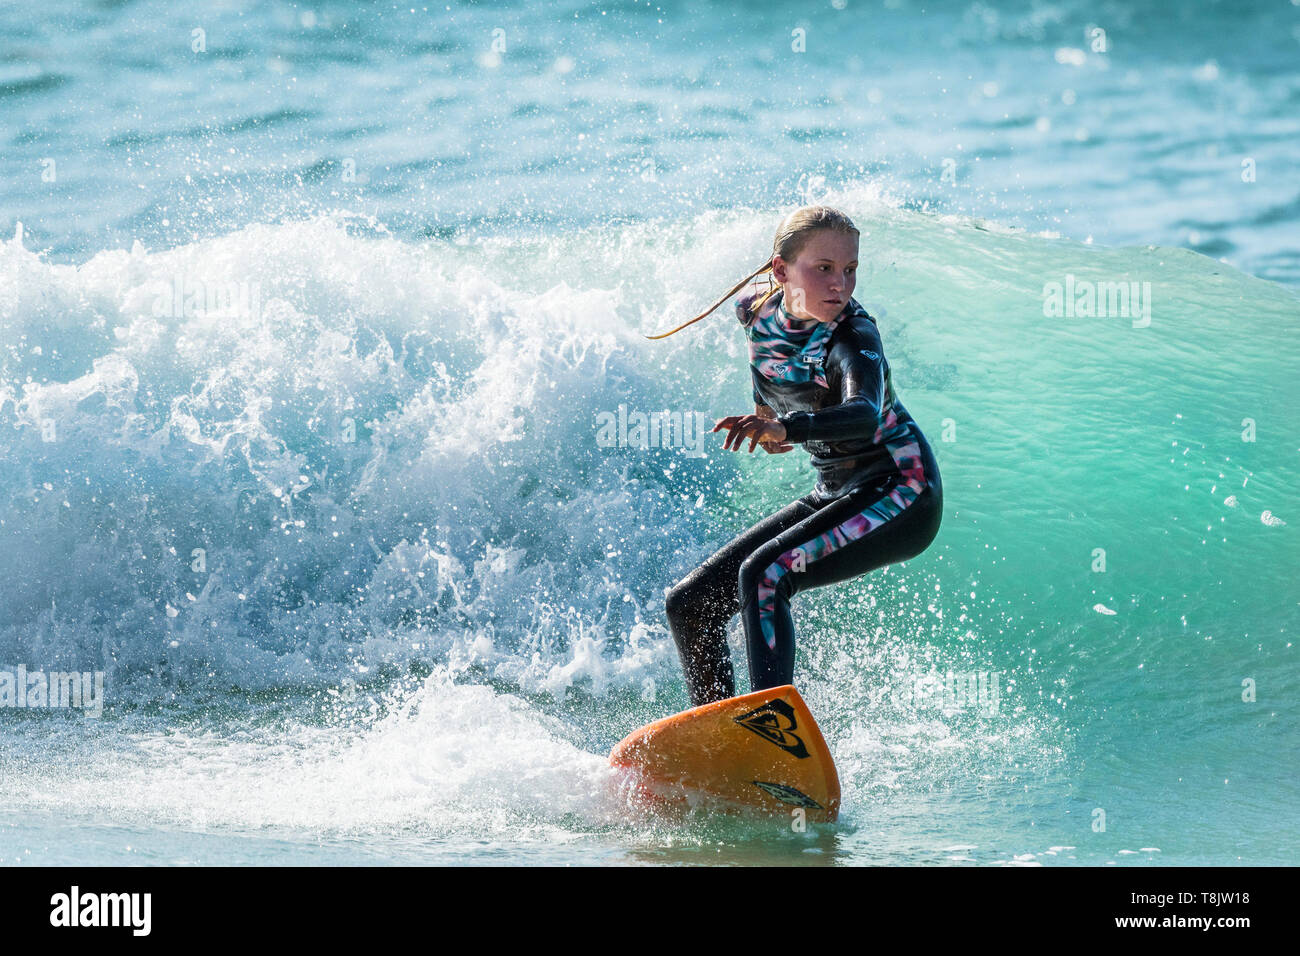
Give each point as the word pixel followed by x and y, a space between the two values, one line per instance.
pixel 820 379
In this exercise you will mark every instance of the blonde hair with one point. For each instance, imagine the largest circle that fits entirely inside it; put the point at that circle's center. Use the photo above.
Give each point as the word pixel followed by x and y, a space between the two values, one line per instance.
pixel 791 237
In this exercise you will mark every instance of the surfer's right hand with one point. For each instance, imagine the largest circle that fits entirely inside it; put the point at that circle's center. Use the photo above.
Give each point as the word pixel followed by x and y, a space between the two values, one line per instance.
pixel 771 447
pixel 753 427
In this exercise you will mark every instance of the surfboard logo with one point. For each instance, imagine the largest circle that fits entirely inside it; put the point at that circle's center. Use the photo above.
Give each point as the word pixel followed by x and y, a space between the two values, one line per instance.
pixel 788 794
pixel 870 354
pixel 775 722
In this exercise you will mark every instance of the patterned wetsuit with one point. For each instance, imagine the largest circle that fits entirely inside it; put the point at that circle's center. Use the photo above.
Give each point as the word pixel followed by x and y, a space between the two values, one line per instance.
pixel 878 498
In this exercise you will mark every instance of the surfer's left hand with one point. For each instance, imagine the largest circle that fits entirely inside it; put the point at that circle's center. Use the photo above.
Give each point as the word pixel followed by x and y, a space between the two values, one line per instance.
pixel 756 429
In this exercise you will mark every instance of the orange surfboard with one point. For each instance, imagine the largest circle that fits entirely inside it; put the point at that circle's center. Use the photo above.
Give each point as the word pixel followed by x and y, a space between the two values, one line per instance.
pixel 761 752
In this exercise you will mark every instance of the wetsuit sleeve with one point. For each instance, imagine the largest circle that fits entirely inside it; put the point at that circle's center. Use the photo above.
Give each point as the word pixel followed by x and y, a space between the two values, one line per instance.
pixel 859 360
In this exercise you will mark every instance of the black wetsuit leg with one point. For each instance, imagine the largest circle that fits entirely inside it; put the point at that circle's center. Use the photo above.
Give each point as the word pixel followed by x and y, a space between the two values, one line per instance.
pixel 700 605
pixel 809 543
pixel 849 537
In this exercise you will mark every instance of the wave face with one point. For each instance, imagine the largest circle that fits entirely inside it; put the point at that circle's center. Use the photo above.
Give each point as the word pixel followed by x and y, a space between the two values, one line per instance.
pixel 339 526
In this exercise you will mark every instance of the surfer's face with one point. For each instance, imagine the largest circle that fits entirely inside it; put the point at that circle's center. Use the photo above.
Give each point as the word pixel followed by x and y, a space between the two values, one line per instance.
pixel 822 276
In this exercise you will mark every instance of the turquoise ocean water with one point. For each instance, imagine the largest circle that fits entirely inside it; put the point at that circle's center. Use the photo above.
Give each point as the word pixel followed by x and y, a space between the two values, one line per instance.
pixel 365 586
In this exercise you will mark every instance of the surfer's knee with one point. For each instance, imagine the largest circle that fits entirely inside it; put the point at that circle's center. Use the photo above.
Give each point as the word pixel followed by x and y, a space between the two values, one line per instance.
pixel 755 569
pixel 931 502
pixel 747 580
pixel 682 604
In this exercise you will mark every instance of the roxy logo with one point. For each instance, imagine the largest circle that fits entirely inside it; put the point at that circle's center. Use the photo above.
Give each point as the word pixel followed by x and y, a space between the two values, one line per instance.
pixel 102 909
pixel 775 721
